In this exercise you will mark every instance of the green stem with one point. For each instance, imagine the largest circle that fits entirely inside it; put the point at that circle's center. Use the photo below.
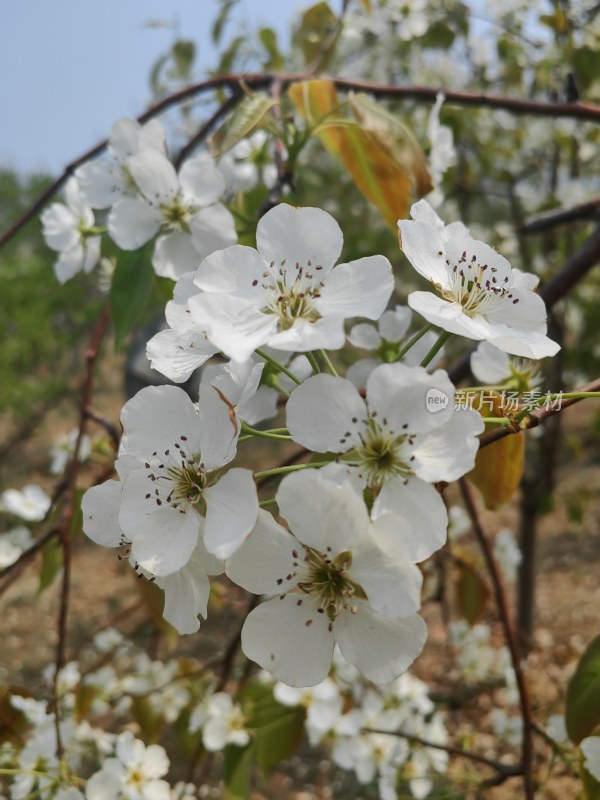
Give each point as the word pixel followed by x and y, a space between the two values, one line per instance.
pixel 550 398
pixel 270 434
pixel 328 363
pixel 267 503
pixel 313 362
pixel 274 363
pixel 441 341
pixel 497 420
pixel 268 473
pixel 413 340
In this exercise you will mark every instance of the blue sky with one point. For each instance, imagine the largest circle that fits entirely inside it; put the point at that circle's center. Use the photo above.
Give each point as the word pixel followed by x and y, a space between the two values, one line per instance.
pixel 70 68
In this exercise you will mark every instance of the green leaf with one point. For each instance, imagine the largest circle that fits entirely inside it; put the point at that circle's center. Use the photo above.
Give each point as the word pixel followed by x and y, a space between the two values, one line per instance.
pixel 77 520
pixel 184 53
pixel 236 772
pixel 582 709
pixel 268 39
pixel 586 65
pixel 52 560
pixel 221 20
pixel 247 116
pixel 318 25
pixel 131 289
pixel 471 593
pixel 228 56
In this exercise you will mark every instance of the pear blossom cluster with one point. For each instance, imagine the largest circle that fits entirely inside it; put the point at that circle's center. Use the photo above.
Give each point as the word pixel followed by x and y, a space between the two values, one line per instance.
pixel 135 195
pixel 342 572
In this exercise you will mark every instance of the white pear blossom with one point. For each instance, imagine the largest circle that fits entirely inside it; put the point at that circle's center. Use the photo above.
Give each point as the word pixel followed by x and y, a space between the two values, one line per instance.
pixel 442 154
pixel 13 543
pixel 323 704
pixel 287 294
pixel 177 492
pixel 222 722
pixel 392 441
pixel 103 181
pixel 134 774
pixel 481 297
pixel 386 341
pixel 63 447
pixel 243 166
pixel 332 584
pixel 182 208
pixel 493 366
pixel 508 554
pixel 70 230
pixel 30 503
pixel 509 728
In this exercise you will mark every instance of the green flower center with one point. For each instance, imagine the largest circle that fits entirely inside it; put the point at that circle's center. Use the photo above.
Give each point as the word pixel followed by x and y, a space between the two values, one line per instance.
pixel 328 582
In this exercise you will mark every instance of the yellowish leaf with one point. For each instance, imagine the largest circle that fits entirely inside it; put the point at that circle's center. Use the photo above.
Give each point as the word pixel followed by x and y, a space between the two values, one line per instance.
pixel 382 157
pixel 245 119
pixel 499 466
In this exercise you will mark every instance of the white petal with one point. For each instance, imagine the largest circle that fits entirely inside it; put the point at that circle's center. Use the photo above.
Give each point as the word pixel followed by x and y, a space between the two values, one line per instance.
pixel 489 364
pixel 154 175
pixel 163 540
pixel 400 397
pixel 61 227
pixel 263 405
pixel 326 414
pixel 590 747
pixel 101 183
pixel 287 637
pixel 186 595
pixel 361 288
pixel 266 558
pixel 381 648
pixel 233 271
pixel 528 314
pixel 174 255
pixel 201 181
pixel 220 428
pixel 100 510
pixel 525 280
pixel 322 512
pixel 448 316
pixel 69 263
pixel 423 246
pixel 417 520
pixel 326 333
pixel 154 762
pixel 393 325
pixel 234 325
pixel 447 453
pixel 124 136
pixel 364 336
pixel 290 234
pixel 177 354
pixel 527 344
pixel 213 229
pixel 359 372
pixel 132 222
pixel 392 584
pixel 157 417
pixel 231 511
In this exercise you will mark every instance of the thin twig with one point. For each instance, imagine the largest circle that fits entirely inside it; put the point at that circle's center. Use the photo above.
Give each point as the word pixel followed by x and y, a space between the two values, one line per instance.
pixel 207 127
pixel 261 80
pixel 504 771
pixel 64 528
pixel 536 417
pixel 510 635
pixel 561 216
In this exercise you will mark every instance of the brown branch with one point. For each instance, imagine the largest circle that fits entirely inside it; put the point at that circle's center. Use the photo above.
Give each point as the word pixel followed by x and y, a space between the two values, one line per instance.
pixel 537 416
pixel 64 528
pixel 261 80
pixel 505 771
pixel 551 219
pixel 207 127
pixel 510 635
